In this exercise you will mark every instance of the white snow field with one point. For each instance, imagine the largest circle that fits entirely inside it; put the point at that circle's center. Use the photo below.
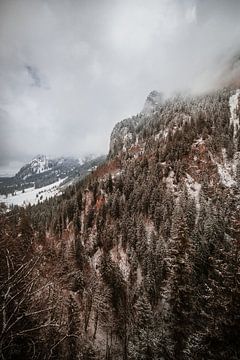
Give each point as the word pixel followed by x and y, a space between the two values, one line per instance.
pixel 32 195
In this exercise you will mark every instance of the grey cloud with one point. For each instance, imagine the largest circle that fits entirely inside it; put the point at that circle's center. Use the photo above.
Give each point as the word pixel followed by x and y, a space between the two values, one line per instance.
pixel 69 70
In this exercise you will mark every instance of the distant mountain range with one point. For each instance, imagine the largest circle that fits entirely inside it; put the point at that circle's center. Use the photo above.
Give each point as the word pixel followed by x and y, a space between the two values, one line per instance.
pixel 44 177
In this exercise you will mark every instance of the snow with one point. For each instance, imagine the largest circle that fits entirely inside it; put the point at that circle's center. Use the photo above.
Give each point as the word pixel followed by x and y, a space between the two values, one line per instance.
pixel 225 176
pixel 126 139
pixel 194 189
pixel 165 133
pixel 227 170
pixel 153 100
pixel 234 119
pixel 116 174
pixel 157 136
pixel 139 275
pixel 96 259
pixel 39 164
pixel 199 141
pixel 169 181
pixel 30 195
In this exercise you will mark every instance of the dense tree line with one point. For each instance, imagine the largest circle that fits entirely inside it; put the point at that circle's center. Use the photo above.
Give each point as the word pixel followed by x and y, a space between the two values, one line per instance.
pixel 143 266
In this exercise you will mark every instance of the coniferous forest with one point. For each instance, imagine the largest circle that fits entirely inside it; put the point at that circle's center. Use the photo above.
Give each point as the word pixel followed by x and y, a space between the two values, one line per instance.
pixel 140 260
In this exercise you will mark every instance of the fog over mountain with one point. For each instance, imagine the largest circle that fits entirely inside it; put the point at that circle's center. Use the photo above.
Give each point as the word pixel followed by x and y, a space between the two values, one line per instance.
pixel 69 70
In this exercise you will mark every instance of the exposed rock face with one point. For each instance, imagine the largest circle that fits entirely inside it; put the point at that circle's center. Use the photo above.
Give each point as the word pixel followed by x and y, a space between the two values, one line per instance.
pixel 42 164
pixel 124 132
pixel 123 135
pixel 153 100
pixel 147 247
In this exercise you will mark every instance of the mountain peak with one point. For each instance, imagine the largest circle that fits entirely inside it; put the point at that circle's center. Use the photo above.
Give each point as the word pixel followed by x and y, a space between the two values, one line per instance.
pixel 153 100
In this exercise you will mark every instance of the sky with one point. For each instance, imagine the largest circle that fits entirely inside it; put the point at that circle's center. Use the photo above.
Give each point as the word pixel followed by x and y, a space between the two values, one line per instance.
pixel 71 69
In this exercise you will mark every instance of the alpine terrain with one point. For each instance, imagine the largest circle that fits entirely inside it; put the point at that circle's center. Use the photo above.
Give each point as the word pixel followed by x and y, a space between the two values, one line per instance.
pixel 44 177
pixel 141 258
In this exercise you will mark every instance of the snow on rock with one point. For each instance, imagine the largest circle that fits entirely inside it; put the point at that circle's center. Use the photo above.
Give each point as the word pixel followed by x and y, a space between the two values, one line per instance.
pixel 32 195
pixel 123 134
pixel 153 100
pixel 169 181
pixel 199 141
pixel 225 176
pixel 234 106
pixel 139 275
pixel 127 138
pixel 227 170
pixel 194 189
pixel 39 164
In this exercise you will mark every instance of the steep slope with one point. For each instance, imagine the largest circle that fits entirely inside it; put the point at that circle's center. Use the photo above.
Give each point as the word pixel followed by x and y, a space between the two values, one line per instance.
pixel 125 132
pixel 153 101
pixel 146 248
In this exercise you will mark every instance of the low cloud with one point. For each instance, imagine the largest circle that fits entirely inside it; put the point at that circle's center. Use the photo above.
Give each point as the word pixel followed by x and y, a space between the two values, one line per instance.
pixel 69 70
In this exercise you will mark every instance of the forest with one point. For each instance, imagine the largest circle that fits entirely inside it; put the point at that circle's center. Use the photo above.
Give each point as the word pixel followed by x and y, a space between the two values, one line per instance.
pixel 140 260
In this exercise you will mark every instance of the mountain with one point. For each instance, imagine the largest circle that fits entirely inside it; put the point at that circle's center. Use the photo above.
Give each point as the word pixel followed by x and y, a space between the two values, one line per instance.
pixel 43 177
pixel 140 259
pixel 124 132
pixel 152 102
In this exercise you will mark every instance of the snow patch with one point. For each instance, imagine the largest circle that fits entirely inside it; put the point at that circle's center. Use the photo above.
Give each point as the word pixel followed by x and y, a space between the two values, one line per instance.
pixel 169 180
pixel 32 195
pixel 139 275
pixel 225 176
pixel 234 119
pixel 39 164
pixel 194 189
pixel 126 139
pixel 199 141
pixel 227 170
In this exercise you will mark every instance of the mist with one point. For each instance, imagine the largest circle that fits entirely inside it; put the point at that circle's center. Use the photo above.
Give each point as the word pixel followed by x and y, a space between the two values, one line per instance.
pixel 69 70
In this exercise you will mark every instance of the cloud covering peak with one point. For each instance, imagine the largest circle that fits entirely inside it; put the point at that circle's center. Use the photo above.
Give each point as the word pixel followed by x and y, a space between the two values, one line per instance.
pixel 69 70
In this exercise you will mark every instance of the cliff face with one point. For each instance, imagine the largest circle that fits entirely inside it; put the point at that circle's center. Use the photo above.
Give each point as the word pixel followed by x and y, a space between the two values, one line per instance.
pixel 153 101
pixel 123 135
pixel 147 247
pixel 124 132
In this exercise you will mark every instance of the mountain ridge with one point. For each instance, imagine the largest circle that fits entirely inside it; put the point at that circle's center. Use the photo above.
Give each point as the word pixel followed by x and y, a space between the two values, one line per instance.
pixel 43 174
pixel 143 253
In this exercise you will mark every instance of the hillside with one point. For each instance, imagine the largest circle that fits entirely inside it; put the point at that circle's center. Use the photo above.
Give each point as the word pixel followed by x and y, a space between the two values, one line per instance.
pixel 45 177
pixel 139 260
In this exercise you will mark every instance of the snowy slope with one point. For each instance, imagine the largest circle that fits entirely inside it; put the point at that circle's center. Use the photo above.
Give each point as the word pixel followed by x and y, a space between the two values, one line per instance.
pixel 43 176
pixel 32 195
pixel 234 107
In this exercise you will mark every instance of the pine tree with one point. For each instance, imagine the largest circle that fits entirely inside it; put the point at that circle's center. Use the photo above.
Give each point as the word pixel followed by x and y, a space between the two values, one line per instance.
pixel 180 282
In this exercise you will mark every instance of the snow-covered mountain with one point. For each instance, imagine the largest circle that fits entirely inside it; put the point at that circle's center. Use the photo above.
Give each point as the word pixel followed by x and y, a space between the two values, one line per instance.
pixel 41 166
pixel 37 165
pixel 44 177
pixel 124 132
pixel 153 100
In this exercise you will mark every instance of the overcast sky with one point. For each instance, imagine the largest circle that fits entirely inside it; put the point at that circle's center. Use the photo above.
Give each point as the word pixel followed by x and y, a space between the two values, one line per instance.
pixel 71 69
